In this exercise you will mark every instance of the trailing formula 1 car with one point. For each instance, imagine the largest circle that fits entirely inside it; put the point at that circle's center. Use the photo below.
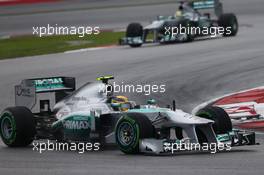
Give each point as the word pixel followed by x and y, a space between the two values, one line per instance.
pixel 194 18
pixel 51 108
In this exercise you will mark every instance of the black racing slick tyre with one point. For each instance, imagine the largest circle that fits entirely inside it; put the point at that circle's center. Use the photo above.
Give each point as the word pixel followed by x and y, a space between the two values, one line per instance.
pixel 229 23
pixel 17 126
pixel 134 30
pixel 222 122
pixel 130 129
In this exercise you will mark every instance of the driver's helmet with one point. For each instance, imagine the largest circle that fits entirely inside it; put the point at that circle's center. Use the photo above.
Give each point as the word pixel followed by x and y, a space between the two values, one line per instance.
pixel 120 103
pixel 119 99
pixel 179 11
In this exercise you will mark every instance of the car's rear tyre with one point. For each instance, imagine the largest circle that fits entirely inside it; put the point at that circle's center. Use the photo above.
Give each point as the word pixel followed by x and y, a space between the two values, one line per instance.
pixel 17 126
pixel 134 30
pixel 130 129
pixel 226 21
pixel 222 121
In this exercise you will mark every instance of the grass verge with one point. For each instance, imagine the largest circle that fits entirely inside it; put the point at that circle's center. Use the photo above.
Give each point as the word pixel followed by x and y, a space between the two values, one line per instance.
pixel 22 46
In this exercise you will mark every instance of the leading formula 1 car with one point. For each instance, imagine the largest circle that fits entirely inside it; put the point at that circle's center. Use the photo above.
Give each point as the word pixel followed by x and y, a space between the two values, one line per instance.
pixel 51 108
pixel 197 17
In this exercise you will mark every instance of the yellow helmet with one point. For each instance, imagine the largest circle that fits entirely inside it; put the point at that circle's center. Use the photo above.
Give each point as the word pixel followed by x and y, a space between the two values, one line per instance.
pixel 178 13
pixel 119 99
pixel 120 102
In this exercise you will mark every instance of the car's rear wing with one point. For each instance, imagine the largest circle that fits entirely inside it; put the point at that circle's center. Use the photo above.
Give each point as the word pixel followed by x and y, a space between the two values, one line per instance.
pixel 203 4
pixel 213 7
pixel 41 94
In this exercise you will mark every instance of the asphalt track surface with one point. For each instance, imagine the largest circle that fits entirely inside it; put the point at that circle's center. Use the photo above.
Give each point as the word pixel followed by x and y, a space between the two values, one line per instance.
pixel 193 73
pixel 17 20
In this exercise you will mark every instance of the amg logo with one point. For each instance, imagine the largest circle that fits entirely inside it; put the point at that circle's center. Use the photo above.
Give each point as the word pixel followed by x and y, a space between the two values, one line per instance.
pixel 76 125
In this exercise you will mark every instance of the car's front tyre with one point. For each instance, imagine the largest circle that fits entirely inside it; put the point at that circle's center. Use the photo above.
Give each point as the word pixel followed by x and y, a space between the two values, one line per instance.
pixel 222 122
pixel 130 129
pixel 134 30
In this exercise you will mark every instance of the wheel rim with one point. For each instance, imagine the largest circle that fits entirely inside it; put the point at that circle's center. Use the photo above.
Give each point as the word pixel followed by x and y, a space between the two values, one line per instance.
pixel 183 37
pixel 126 133
pixel 7 128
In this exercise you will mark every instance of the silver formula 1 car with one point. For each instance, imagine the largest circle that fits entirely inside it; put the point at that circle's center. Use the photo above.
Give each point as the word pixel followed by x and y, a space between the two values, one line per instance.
pixel 51 108
pixel 194 18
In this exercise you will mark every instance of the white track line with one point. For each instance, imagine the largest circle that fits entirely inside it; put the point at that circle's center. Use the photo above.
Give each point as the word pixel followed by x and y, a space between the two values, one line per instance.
pixel 90 49
pixel 4 37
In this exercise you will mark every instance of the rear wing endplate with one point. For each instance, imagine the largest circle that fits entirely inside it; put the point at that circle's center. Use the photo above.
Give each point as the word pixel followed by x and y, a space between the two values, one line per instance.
pixel 39 93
